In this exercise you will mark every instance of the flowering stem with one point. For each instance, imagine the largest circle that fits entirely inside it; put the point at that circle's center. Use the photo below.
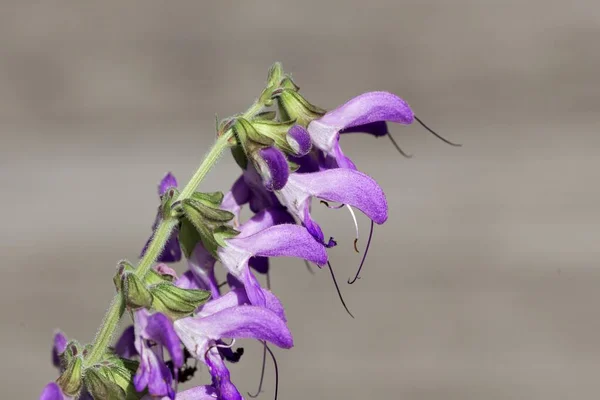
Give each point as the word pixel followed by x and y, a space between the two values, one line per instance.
pixel 159 239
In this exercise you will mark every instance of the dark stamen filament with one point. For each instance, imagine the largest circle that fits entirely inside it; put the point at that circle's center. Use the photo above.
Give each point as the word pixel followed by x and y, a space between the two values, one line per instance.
pixel 262 372
pixel 276 370
pixel 398 147
pixel 334 207
pixel 437 135
pixel 268 280
pixel 338 289
pixel 364 256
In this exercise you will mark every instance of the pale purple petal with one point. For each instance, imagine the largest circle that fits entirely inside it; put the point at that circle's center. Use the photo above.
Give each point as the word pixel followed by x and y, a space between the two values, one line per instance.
pixel 284 240
pixel 160 330
pixel 52 392
pixel 242 322
pixel 273 168
pixel 221 377
pixel 164 269
pixel 265 219
pixel 344 186
pixel 60 344
pixel 202 265
pixel 299 139
pixel 125 346
pixel 166 183
pixel 189 281
pixel 341 160
pixel 236 197
pixel 253 289
pixel 238 297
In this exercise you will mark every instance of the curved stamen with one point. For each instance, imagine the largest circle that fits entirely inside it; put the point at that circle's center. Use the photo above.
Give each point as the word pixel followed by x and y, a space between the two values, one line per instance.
pixel 338 289
pixel 308 267
pixel 262 372
pixel 398 147
pixel 355 228
pixel 225 345
pixel 364 256
pixel 276 370
pixel 437 135
pixel 333 207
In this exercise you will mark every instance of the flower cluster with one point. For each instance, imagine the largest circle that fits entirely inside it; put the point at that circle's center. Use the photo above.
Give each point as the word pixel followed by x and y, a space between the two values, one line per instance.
pixel 289 152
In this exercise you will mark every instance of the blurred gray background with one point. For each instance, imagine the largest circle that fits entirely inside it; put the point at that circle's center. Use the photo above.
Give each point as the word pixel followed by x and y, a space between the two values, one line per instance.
pixel 483 284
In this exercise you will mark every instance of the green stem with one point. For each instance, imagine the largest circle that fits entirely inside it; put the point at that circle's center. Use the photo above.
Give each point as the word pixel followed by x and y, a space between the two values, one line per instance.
pixel 161 235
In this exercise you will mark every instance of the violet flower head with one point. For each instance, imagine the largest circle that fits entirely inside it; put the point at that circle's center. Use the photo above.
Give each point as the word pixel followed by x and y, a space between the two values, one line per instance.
pixel 172 250
pixel 59 347
pixel 346 186
pixel 262 237
pixel 153 373
pixel 226 317
pixel 367 112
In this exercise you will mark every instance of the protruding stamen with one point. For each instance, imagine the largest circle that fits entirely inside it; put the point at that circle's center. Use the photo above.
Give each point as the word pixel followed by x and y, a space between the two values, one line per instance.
pixel 225 345
pixel 276 370
pixel 338 289
pixel 262 372
pixel 308 267
pixel 333 207
pixel 364 256
pixel 436 134
pixel 355 228
pixel 398 147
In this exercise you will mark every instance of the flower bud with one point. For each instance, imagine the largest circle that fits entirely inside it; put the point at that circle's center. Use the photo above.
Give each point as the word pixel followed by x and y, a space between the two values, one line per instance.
pixel 175 301
pixel 273 167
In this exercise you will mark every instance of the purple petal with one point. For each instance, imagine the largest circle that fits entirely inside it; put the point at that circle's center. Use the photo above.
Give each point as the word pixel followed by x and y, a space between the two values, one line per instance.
pixel 299 139
pixel 341 185
pixel 236 197
pixel 242 322
pixel 172 250
pixel 202 265
pixel 284 240
pixel 189 281
pixel 52 392
pixel 341 160
pixel 260 197
pixel 160 330
pixel 265 219
pixel 273 167
pixel 221 377
pixel 205 392
pixel 125 346
pixel 253 289
pixel 166 183
pixel 60 344
pixel 164 269
pixel 364 109
pixel 237 297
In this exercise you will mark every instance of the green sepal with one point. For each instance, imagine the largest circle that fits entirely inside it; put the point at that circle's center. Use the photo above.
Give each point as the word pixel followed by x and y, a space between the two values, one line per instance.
pixel 265 116
pixel 212 214
pixel 135 292
pixel 288 83
pixel 71 380
pixel 298 108
pixel 275 74
pixel 293 166
pixel 112 379
pixel 214 198
pixel 153 277
pixel 200 224
pixel 224 232
pixel 239 156
pixel 175 301
pixel 188 237
pixel 277 131
pixel 167 201
pixel 123 266
pixel 246 132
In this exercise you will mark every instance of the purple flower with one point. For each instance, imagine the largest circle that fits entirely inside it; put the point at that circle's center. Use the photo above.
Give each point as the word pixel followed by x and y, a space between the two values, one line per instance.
pixel 262 237
pixel 52 392
pixel 299 139
pixel 273 167
pixel 226 318
pixel 345 186
pixel 202 266
pixel 206 392
pixel 367 112
pixel 172 250
pixel 152 333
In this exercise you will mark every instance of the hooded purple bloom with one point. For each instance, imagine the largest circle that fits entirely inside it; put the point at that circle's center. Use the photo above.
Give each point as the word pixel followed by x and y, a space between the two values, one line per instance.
pixel 299 139
pixel 341 185
pixel 59 347
pixel 125 346
pixel 226 318
pixel 262 237
pixel 172 250
pixel 367 112
pixel 152 333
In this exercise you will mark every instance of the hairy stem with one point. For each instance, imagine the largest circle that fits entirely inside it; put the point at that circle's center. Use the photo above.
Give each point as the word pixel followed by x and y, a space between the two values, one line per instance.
pixel 161 235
